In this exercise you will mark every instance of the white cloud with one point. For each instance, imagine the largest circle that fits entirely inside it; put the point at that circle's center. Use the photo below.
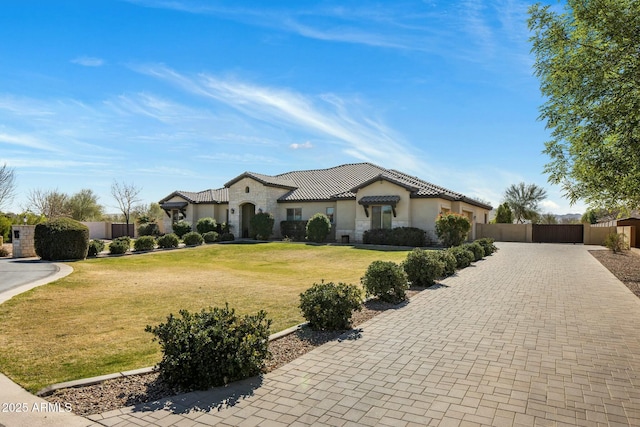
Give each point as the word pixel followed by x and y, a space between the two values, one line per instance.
pixel 25 140
pixel 88 61
pixel 342 120
pixel 307 144
pixel 549 205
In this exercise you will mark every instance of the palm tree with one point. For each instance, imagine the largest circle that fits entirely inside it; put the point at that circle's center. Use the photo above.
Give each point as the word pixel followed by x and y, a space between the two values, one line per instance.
pixel 523 200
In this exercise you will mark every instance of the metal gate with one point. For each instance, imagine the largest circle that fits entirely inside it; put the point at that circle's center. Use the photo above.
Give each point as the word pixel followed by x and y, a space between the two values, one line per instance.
pixel 557 233
pixel 119 230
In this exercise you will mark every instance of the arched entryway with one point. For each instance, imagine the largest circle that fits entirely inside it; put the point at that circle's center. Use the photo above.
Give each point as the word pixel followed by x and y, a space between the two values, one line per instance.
pixel 247 211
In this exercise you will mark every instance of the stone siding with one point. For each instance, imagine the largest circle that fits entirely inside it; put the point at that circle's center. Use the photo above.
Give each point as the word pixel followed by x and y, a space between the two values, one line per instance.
pixel 23 241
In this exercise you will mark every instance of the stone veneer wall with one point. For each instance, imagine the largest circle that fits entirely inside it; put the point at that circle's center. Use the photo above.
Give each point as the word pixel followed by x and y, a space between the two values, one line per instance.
pixel 23 241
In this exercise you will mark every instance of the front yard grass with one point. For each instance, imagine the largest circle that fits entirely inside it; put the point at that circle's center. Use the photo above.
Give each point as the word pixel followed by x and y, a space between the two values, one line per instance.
pixel 92 322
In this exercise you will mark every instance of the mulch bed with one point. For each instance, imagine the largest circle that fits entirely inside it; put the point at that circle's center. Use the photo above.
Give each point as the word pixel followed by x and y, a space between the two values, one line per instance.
pixel 135 389
pixel 624 265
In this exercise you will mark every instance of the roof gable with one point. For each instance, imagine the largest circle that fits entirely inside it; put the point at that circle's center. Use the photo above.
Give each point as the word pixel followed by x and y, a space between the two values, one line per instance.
pixel 388 178
pixel 220 195
pixel 268 180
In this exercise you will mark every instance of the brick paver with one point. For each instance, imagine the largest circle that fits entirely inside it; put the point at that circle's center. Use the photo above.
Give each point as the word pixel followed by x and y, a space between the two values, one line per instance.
pixel 536 334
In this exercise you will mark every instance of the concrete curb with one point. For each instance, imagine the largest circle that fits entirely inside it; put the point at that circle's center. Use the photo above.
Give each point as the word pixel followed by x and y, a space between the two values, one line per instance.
pixel 63 270
pixel 50 389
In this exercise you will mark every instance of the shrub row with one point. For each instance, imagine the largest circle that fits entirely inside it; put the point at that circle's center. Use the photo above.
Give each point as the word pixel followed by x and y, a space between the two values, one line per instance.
pixel 388 280
pixel 316 229
pixel 215 346
pixel 399 236
pixel 121 245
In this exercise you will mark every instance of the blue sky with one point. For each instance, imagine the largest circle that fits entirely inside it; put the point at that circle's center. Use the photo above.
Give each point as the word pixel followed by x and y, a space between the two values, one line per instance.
pixel 187 94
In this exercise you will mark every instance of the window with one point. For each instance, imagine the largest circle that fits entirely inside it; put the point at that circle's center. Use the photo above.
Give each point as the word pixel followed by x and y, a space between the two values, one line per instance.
pixel 176 215
pixel 294 214
pixel 246 189
pixel 330 212
pixel 381 216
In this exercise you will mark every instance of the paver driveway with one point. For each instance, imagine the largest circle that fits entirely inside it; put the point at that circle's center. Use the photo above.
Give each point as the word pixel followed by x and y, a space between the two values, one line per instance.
pixel 536 334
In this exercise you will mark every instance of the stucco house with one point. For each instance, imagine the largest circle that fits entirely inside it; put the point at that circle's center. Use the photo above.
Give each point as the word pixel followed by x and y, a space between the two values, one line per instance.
pixel 356 197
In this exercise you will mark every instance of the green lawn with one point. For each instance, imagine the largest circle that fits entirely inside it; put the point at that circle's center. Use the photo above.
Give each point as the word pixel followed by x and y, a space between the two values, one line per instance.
pixel 92 322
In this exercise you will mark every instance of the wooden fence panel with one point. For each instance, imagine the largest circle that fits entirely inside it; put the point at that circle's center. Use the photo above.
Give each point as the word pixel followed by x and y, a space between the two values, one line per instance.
pixel 558 233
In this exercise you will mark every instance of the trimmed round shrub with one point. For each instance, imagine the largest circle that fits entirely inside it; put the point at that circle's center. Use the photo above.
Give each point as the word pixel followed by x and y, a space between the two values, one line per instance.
pixel 120 245
pixel 182 227
pixel 168 241
pixel 464 257
pixel 149 229
pixel 385 280
pixel 145 243
pixel 478 252
pixel 211 237
pixel 95 247
pixel 227 237
pixel 449 262
pixel 452 229
pixel 211 348
pixel 318 228
pixel 205 225
pixel 487 245
pixel 61 239
pixel 193 238
pixel 329 307
pixel 423 267
pixel 261 226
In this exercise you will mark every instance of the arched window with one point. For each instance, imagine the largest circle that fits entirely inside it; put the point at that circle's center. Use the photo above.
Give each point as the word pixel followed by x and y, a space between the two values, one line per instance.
pixel 246 189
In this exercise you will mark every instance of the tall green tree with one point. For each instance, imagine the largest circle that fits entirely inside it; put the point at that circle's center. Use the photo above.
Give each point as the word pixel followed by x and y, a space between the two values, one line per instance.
pixel 84 206
pixel 504 214
pixel 523 199
pixel 587 59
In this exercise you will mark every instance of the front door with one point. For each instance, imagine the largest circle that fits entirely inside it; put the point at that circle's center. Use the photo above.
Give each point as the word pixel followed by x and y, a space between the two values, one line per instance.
pixel 248 212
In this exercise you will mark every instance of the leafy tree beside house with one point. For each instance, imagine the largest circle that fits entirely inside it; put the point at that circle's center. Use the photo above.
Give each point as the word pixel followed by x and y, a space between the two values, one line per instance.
pixel 523 199
pixel 586 59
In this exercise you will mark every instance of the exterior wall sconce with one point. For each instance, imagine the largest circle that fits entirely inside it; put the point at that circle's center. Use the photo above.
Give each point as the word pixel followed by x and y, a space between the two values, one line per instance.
pixel 233 211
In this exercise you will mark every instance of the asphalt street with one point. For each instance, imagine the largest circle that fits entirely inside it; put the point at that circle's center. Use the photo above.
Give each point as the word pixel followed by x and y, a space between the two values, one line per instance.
pixel 17 272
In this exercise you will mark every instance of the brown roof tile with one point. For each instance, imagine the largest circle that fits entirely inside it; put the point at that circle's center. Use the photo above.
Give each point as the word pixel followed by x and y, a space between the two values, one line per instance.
pixel 336 183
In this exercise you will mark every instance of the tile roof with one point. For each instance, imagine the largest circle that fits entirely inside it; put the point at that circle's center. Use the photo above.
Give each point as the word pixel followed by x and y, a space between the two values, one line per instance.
pixel 336 183
pixel 220 195
pixel 342 182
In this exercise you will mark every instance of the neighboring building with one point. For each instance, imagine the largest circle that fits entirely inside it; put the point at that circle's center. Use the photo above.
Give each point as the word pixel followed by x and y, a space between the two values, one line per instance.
pixel 356 197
